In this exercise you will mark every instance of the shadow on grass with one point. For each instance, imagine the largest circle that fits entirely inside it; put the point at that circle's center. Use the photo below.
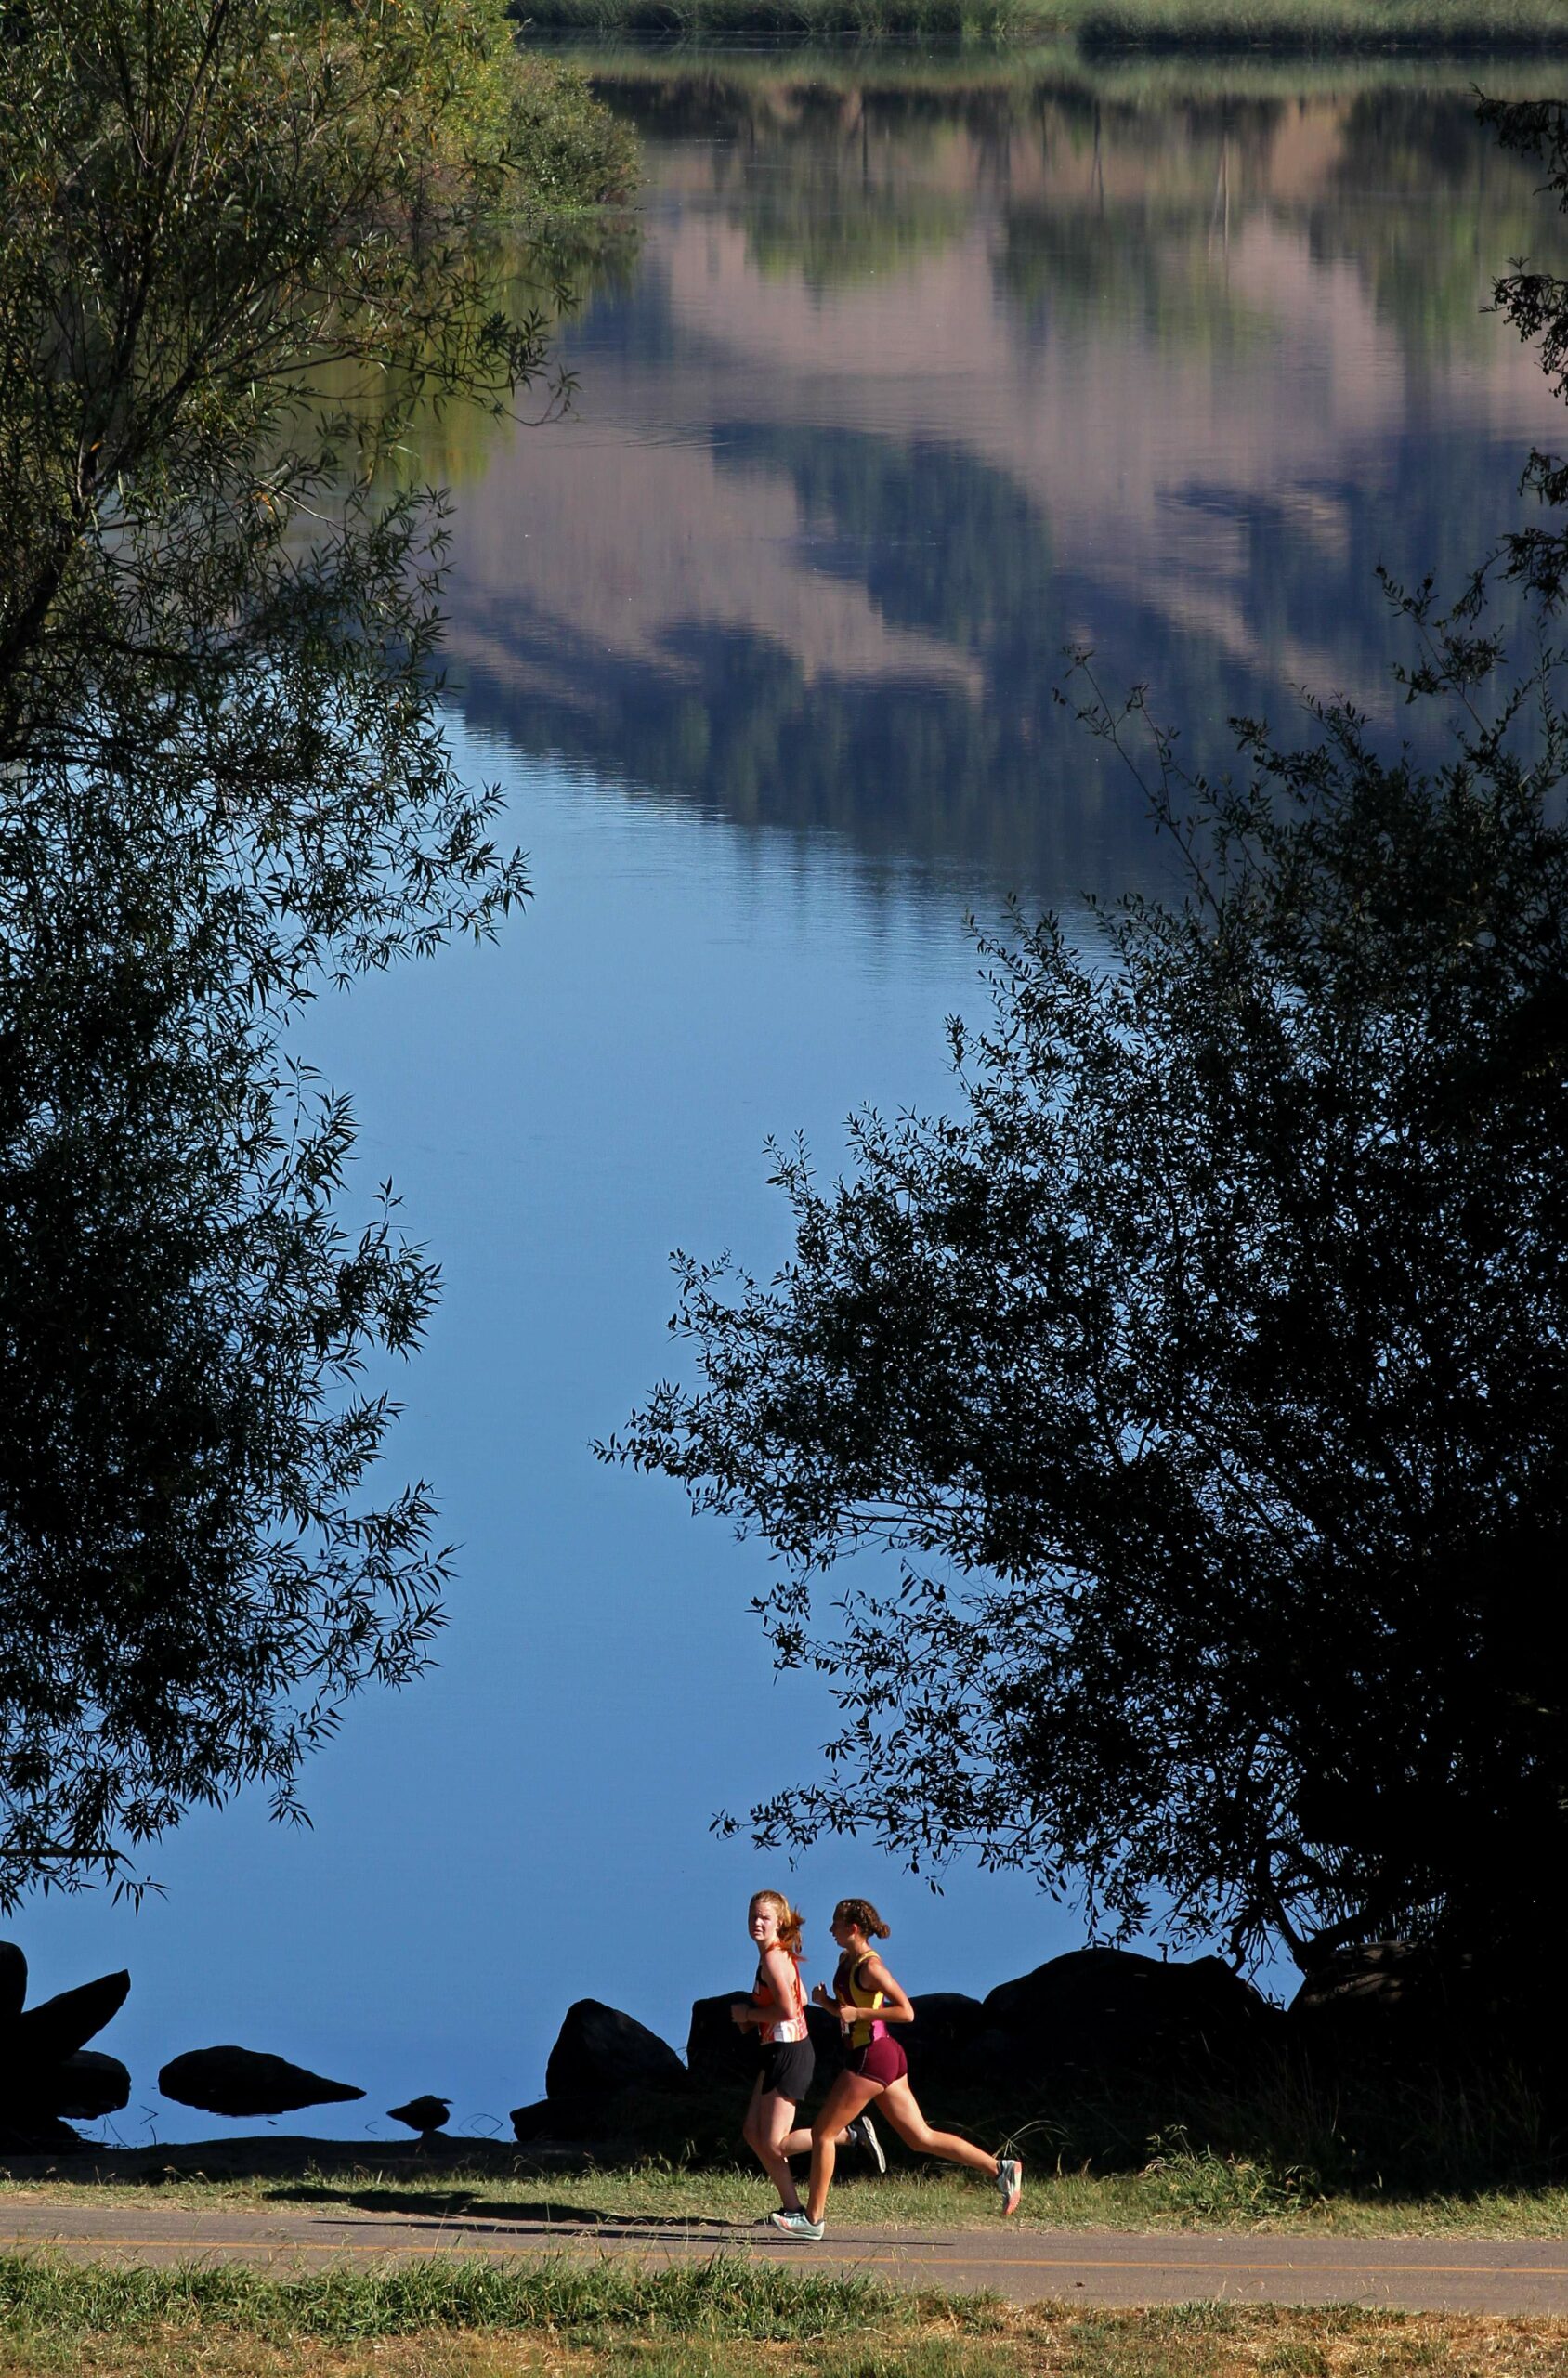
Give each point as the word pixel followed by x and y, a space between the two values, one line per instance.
pixel 469 2209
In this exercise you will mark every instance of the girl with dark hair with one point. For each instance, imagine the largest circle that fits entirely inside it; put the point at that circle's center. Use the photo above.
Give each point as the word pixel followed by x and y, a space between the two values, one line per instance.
pixel 868 2001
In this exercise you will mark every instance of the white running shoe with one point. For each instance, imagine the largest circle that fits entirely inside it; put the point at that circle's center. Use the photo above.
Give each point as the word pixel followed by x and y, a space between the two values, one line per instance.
pixel 1010 2180
pixel 796 2224
pixel 862 2132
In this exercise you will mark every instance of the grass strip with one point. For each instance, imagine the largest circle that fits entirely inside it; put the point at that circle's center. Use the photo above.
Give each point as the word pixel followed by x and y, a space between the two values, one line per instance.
pixel 717 2321
pixel 1191 2192
pixel 724 2298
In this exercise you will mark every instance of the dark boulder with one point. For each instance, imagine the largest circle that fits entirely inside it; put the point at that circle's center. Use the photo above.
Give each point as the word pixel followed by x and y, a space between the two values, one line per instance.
pixel 599 2050
pixel 826 2037
pixel 639 2121
pixel 85 2087
pixel 559 2118
pixel 988 2059
pixel 945 2022
pixel 1404 2005
pixel 13 1982
pixel 49 2033
pixel 1105 2011
pixel 37 2134
pixel 718 2053
pixel 45 2073
pixel 242 2081
pixel 529 2123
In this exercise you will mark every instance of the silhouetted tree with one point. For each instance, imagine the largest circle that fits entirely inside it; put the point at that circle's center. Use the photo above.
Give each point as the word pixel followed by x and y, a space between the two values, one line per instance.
pixel 1208 1367
pixel 238 247
pixel 191 1581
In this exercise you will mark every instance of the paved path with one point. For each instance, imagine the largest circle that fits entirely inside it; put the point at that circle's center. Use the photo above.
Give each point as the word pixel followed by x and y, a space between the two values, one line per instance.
pixel 1085 2266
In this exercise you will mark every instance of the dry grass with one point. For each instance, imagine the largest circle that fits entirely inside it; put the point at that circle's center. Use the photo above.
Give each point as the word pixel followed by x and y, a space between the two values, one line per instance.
pixel 1042 2342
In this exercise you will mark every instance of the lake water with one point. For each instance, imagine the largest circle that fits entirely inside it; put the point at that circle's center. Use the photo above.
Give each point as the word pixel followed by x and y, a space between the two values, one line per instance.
pixel 899 385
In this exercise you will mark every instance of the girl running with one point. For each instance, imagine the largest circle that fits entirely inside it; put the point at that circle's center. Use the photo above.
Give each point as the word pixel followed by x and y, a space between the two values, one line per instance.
pixel 867 2000
pixel 776 2009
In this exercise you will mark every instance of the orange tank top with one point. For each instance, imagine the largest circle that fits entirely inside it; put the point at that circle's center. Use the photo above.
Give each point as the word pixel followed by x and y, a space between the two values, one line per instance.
pixel 790 2026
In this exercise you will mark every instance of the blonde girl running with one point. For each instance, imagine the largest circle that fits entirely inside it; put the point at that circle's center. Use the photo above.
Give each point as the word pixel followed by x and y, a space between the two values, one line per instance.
pixel 868 2002
pixel 777 2010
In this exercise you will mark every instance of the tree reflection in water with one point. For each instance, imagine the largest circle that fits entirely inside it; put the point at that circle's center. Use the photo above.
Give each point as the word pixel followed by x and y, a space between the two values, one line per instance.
pixel 915 386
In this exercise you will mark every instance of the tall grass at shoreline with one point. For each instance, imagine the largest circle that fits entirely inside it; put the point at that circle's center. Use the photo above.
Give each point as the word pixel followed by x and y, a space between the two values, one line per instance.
pixel 733 72
pixel 1091 26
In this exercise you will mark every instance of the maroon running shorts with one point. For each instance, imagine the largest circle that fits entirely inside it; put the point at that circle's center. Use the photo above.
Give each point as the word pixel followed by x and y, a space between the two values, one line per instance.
pixel 883 2061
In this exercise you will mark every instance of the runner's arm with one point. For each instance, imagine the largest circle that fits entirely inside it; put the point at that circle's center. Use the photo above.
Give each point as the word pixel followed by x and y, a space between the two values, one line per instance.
pixel 896 2007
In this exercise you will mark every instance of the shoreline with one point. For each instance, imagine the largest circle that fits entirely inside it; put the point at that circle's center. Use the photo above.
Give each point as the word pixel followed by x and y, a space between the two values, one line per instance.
pixel 1089 30
pixel 631 61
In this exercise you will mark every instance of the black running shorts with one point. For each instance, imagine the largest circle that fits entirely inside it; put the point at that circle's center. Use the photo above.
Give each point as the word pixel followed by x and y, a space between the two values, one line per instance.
pixel 787 2066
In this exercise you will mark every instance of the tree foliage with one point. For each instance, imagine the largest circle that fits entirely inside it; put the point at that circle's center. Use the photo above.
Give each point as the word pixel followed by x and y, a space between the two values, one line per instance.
pixel 238 247
pixel 191 1581
pixel 1535 303
pixel 1206 1367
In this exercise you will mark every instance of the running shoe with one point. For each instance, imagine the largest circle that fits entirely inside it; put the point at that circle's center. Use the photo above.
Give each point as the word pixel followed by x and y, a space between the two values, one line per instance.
pixel 796 2224
pixel 1010 2180
pixel 862 2133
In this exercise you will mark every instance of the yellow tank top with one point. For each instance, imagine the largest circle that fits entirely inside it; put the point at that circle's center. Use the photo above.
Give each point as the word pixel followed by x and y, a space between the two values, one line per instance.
pixel 862 2034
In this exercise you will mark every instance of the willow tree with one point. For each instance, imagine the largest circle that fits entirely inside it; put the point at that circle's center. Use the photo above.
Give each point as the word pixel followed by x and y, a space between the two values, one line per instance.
pixel 239 246
pixel 1201 1374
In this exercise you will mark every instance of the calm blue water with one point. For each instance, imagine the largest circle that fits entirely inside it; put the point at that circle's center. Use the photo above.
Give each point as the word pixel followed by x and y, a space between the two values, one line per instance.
pixel 893 397
pixel 529 1825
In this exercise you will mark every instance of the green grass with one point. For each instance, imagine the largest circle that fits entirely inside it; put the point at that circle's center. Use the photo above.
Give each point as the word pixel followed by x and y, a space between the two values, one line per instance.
pixel 1183 2190
pixel 712 2320
pixel 724 2298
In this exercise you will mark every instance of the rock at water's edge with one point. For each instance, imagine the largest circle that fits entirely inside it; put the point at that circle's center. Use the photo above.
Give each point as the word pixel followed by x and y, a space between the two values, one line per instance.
pixel 718 2052
pixel 85 2087
pixel 945 2022
pixel 244 2080
pixel 13 1982
pixel 49 2033
pixel 599 2050
pixel 1111 2010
